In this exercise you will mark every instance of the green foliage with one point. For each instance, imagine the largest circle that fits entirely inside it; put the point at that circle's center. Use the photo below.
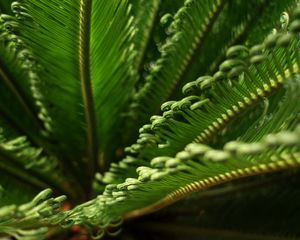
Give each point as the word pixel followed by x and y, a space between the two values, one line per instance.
pixel 218 80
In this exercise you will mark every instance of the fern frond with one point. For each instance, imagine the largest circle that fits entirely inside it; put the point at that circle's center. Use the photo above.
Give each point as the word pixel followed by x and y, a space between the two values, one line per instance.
pixel 93 78
pixel 15 88
pixel 190 27
pixel 237 22
pixel 214 101
pixel 77 78
pixel 196 168
pixel 24 162
pixel 214 104
pixel 30 220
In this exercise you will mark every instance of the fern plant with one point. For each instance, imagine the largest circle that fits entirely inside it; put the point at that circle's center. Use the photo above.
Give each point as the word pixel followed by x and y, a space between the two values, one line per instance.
pixel 164 119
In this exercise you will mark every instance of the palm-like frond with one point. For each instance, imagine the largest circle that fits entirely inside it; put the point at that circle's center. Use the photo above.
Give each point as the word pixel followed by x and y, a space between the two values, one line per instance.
pixel 78 78
pixel 162 176
pixel 83 70
pixel 201 50
pixel 41 209
pixel 15 86
pixel 213 102
pixel 196 168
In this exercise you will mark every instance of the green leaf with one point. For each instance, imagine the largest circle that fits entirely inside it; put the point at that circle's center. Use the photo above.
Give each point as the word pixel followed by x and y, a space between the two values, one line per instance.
pixel 185 39
pixel 237 22
pixel 213 101
pixel 196 168
pixel 90 43
pixel 78 77
pixel 14 82
pixel 30 220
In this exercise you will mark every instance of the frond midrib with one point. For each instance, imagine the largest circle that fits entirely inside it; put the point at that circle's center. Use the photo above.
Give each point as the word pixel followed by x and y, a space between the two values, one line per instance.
pixel 290 161
pixel 86 87
pixel 203 138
